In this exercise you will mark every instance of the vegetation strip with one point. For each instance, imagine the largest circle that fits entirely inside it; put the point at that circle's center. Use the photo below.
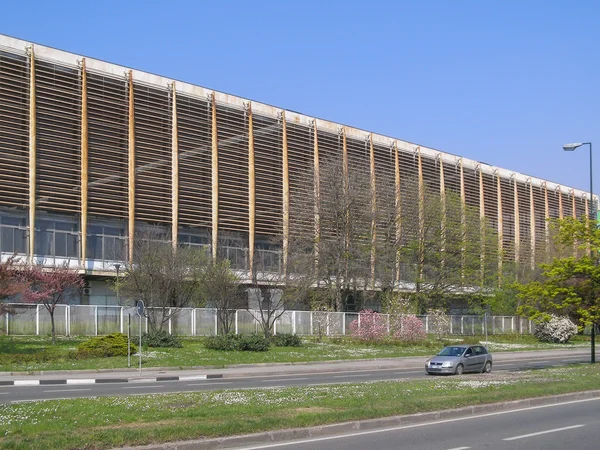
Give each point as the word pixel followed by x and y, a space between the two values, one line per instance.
pixel 108 422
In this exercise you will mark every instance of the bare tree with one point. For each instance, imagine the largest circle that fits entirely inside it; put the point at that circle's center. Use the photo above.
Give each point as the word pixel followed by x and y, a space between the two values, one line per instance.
pixel 165 277
pixel 221 289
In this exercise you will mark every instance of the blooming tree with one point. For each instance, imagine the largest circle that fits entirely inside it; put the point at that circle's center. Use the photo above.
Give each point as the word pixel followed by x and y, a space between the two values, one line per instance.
pixel 50 286
pixel 372 326
pixel 411 328
pixel 555 329
pixel 439 322
pixel 11 281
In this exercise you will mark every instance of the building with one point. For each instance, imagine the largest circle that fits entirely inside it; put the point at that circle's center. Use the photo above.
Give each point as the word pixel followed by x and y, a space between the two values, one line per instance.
pixel 91 150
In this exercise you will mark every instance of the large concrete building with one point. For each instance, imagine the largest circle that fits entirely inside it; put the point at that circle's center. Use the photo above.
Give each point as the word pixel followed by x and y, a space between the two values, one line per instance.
pixel 90 150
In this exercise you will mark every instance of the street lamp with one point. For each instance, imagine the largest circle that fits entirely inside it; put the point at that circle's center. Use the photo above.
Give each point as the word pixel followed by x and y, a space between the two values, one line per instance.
pixel 570 148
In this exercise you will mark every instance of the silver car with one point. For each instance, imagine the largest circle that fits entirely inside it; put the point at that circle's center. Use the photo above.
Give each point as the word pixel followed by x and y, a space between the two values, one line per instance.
pixel 458 359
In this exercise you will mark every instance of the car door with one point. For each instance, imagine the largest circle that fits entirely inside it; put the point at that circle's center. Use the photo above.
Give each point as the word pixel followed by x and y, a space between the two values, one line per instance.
pixel 470 360
pixel 479 357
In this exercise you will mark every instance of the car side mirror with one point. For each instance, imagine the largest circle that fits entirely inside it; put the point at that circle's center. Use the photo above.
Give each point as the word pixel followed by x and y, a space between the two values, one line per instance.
pixel 467 355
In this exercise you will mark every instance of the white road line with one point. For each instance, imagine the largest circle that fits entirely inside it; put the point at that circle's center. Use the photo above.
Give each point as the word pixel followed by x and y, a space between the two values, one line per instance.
pixel 142 387
pixel 418 425
pixel 459 448
pixel 212 382
pixel 68 390
pixel 555 430
pixel 27 382
pixel 285 379
pixel 353 376
pixel 80 381
pixel 4 393
pixel 404 373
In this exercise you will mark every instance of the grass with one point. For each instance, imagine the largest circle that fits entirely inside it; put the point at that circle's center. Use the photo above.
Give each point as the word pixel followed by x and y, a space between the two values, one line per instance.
pixel 32 354
pixel 106 422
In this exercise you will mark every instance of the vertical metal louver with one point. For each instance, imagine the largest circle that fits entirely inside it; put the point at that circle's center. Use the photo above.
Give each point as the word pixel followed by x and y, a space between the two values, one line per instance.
pixel 539 206
pixel 490 198
pixel 14 129
pixel 508 218
pixel 300 155
pixel 194 132
pixel 386 191
pixel 107 145
pixel 233 168
pixel 152 153
pixel 471 178
pixel 58 117
pixel 524 223
pixel 269 173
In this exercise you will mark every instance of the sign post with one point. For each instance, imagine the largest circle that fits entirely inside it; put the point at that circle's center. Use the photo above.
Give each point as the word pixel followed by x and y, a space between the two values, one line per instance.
pixel 140 310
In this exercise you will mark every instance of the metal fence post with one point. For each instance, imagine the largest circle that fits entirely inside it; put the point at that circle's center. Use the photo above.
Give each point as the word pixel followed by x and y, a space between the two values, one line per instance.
pixel 236 321
pixel 37 320
pixel 462 324
pixel 388 323
pixel 451 324
pixel 311 323
pixel 426 324
pixel 95 320
pixel 327 319
pixel 294 322
pixel 344 324
pixel 170 322
pixel 216 323
pixel 67 321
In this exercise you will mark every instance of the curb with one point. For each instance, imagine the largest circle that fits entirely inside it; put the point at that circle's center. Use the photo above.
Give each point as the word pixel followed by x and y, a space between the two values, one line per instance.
pixel 108 380
pixel 324 431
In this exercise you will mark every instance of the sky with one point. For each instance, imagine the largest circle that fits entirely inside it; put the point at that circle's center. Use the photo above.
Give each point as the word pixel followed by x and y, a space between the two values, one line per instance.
pixel 502 82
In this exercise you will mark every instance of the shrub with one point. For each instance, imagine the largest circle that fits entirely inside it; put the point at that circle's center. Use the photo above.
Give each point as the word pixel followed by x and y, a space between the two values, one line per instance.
pixel 114 344
pixel 286 340
pixel 411 329
pixel 556 329
pixel 241 342
pixel 160 338
pixel 372 326
pixel 439 322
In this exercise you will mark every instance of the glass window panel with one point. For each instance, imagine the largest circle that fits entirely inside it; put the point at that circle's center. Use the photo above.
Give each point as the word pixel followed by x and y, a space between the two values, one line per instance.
pixel 44 243
pixel 95 229
pixel 64 226
pixel 60 244
pixel 94 247
pixel 7 240
pixel 20 240
pixel 44 225
pixel 111 231
pixel 11 221
pixel 72 245
pixel 109 248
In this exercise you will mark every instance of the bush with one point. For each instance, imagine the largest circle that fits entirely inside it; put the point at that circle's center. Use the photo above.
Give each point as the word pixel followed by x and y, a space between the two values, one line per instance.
pixel 241 342
pixel 114 344
pixel 556 329
pixel 411 329
pixel 160 338
pixel 286 340
pixel 372 326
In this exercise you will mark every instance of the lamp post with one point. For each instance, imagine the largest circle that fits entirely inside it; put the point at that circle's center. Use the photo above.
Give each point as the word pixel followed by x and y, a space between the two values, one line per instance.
pixel 570 148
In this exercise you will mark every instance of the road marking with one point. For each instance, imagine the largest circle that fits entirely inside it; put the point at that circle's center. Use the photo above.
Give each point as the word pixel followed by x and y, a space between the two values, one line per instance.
pixel 353 376
pixel 459 448
pixel 211 382
pixel 555 430
pixel 404 373
pixel 68 390
pixel 27 382
pixel 4 393
pixel 142 387
pixel 285 379
pixel 418 425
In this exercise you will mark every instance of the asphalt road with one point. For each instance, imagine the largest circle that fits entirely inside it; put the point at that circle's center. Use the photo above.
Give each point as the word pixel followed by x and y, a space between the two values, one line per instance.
pixel 306 378
pixel 571 425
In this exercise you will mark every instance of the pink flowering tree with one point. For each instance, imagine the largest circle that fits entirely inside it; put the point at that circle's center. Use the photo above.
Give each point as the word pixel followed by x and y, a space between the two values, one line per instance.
pixel 372 326
pixel 11 281
pixel 50 287
pixel 411 328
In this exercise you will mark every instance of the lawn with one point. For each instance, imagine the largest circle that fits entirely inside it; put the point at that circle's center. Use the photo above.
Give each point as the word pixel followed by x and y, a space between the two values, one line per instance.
pixel 30 354
pixel 109 422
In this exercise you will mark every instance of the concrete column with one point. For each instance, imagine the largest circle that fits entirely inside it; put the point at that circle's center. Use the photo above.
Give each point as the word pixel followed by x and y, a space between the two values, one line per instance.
pixel 286 194
pixel 131 167
pixel 517 220
pixel 251 190
pixel 215 179
pixel 32 153
pixel 500 226
pixel 373 209
pixel 316 194
pixel 560 203
pixel 174 168
pixel 573 204
pixel 533 233
pixel 482 223
pixel 84 164
pixel 398 206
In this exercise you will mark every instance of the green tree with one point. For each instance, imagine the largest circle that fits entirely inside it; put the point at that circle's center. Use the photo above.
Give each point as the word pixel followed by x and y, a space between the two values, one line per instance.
pixel 570 284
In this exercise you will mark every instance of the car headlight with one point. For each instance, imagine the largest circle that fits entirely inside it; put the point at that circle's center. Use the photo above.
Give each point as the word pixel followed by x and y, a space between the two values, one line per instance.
pixel 447 364
pixel 427 362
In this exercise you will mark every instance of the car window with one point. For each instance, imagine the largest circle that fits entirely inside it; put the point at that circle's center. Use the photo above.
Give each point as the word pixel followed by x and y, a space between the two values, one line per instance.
pixel 451 351
pixel 481 350
pixel 469 351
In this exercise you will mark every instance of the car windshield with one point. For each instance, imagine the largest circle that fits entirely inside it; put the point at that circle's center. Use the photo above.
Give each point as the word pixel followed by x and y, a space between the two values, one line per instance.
pixel 452 351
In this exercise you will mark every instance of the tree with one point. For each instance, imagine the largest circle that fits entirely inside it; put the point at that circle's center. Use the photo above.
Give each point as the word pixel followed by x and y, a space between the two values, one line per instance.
pixel 221 289
pixel 570 284
pixel 12 281
pixel 164 277
pixel 50 286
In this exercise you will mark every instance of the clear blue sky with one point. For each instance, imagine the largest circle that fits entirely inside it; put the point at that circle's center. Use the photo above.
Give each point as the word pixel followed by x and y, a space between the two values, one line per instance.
pixel 503 82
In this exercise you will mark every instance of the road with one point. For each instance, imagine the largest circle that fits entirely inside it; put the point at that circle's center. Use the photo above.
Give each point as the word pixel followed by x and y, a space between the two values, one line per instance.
pixel 309 376
pixel 571 425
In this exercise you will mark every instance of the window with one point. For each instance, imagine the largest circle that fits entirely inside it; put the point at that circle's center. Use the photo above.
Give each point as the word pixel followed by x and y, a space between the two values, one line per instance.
pixel 13 234
pixel 108 243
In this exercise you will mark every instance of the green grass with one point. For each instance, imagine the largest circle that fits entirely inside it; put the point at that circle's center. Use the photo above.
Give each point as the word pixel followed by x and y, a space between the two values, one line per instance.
pixel 31 354
pixel 106 422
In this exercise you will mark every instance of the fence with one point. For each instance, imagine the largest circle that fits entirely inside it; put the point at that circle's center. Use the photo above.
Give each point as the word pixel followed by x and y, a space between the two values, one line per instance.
pixel 84 320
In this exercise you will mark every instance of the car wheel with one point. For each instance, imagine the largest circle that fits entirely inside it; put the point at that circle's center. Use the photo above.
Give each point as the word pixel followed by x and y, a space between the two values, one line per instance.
pixel 487 368
pixel 459 369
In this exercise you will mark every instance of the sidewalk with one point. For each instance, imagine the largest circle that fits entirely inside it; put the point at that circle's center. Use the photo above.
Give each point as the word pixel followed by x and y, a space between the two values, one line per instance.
pixel 248 370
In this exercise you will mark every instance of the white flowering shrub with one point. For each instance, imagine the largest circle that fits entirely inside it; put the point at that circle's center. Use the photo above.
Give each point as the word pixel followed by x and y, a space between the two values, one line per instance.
pixel 439 322
pixel 556 329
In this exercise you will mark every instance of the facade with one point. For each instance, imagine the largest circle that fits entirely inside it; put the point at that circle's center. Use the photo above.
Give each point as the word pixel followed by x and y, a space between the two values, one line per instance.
pixel 91 151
